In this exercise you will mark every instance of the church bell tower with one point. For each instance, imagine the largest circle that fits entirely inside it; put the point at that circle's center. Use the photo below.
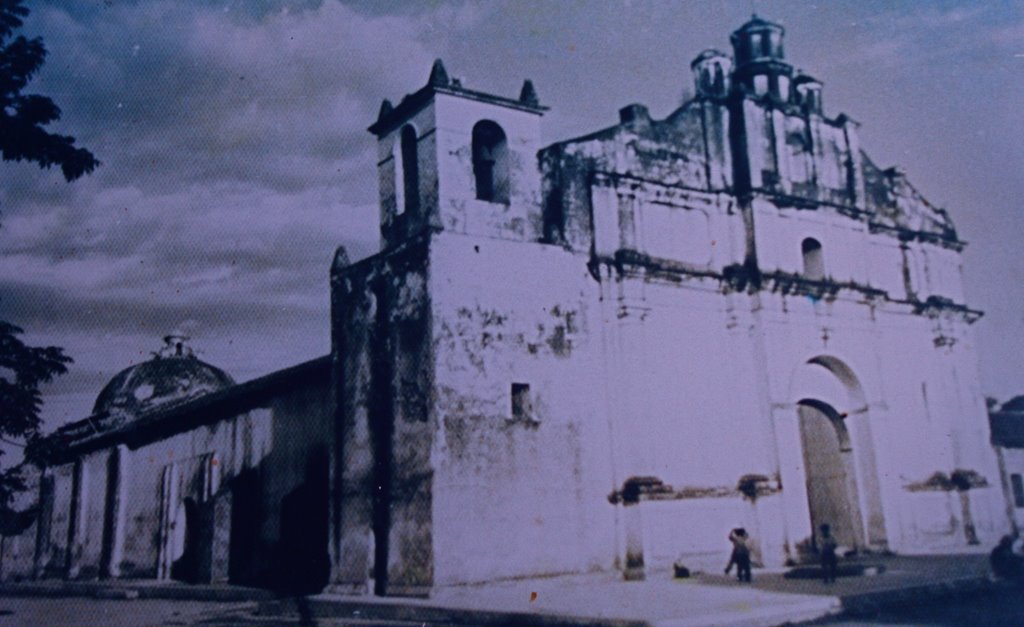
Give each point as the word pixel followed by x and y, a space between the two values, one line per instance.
pixel 454 159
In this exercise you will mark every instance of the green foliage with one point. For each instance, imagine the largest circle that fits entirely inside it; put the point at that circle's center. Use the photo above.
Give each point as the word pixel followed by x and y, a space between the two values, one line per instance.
pixel 22 138
pixel 22 370
pixel 23 116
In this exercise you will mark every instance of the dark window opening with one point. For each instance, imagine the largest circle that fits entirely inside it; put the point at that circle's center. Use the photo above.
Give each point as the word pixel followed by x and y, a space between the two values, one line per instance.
pixel 490 162
pixel 814 261
pixel 522 408
pixel 410 169
pixel 1018 490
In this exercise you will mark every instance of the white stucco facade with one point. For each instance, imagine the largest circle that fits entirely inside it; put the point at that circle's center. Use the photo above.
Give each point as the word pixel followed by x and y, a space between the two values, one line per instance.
pixel 729 317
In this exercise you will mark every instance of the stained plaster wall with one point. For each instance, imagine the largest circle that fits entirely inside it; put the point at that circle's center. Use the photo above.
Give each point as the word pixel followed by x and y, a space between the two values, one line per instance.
pixel 806 155
pixel 17 555
pixel 517 495
pixel 397 224
pixel 301 421
pixel 678 295
pixel 188 452
pixel 381 334
pixel 459 209
pixel 275 441
pixel 918 415
pixel 608 200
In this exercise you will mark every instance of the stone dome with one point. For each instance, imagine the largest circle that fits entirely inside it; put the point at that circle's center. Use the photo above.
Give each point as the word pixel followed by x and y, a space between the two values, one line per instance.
pixel 173 375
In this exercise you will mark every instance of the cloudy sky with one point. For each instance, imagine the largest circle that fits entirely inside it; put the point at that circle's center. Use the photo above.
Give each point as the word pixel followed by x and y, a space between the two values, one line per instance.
pixel 235 155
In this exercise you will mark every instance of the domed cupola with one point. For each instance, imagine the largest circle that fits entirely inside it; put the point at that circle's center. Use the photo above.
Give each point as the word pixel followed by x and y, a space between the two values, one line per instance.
pixel 807 93
pixel 761 69
pixel 711 70
pixel 174 375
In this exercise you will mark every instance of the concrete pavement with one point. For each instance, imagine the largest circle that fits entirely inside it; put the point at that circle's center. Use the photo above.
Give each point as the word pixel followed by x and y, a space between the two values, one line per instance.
pixel 591 599
pixel 705 599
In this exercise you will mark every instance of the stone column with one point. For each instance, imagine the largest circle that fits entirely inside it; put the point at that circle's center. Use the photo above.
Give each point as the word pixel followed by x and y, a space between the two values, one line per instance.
pixel 220 549
pixel 113 533
pixel 42 554
pixel 352 518
pixel 76 521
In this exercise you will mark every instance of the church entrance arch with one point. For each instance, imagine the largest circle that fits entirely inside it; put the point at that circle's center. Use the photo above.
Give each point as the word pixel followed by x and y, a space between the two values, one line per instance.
pixel 838 457
pixel 831 477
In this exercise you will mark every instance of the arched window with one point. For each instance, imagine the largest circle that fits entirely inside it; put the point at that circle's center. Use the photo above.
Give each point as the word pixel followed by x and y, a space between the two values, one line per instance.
pixel 410 171
pixel 490 162
pixel 814 261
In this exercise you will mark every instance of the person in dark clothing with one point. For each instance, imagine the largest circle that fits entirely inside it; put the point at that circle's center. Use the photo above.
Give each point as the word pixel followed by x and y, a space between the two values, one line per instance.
pixel 740 554
pixel 1005 563
pixel 827 546
pixel 304 565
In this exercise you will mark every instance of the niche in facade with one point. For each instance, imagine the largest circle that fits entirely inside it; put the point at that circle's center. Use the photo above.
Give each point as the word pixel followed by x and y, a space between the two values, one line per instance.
pixel 522 406
pixel 814 260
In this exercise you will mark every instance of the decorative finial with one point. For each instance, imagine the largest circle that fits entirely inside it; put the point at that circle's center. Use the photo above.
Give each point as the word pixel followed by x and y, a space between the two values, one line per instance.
pixel 385 109
pixel 341 260
pixel 174 346
pixel 438 75
pixel 528 95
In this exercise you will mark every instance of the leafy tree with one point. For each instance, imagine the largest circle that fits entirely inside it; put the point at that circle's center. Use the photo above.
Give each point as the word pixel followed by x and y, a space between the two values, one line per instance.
pixel 23 116
pixel 22 370
pixel 22 138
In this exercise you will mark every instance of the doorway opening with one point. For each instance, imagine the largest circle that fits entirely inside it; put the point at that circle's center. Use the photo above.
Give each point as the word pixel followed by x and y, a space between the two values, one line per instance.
pixel 832 492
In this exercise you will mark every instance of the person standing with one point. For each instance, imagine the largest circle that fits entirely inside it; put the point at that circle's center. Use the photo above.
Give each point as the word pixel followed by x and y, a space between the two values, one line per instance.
pixel 740 554
pixel 827 546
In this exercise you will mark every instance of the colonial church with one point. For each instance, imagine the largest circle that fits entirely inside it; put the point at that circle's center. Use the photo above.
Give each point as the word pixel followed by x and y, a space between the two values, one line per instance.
pixel 601 354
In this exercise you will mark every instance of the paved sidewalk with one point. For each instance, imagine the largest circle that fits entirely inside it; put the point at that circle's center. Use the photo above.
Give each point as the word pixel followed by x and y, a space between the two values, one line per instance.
pixel 706 599
pixel 593 599
pixel 127 589
pixel 596 599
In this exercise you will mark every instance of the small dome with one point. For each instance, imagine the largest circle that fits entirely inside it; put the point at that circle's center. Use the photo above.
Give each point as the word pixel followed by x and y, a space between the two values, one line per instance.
pixel 757 40
pixel 172 376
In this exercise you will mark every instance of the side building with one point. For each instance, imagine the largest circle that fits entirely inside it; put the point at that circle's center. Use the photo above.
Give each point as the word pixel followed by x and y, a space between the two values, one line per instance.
pixel 181 474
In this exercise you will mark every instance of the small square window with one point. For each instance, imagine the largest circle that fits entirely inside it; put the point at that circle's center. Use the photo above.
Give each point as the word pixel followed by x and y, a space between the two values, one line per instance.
pixel 522 408
pixel 1018 490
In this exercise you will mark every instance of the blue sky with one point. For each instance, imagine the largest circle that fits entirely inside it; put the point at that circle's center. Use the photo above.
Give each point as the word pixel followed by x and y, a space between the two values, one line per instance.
pixel 236 157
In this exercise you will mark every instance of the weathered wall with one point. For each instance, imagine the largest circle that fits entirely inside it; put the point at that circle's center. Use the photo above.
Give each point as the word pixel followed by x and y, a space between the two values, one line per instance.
pixel 396 223
pixel 183 459
pixel 518 491
pixel 459 209
pixel 17 555
pixel 381 322
pixel 156 478
pixel 301 423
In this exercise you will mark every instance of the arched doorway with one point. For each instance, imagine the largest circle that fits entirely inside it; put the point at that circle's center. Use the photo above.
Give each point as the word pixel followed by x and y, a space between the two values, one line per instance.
pixel 833 496
pixel 837 455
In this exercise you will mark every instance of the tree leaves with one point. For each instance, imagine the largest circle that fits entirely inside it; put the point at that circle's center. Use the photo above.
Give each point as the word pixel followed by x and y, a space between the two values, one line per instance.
pixel 22 370
pixel 22 116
